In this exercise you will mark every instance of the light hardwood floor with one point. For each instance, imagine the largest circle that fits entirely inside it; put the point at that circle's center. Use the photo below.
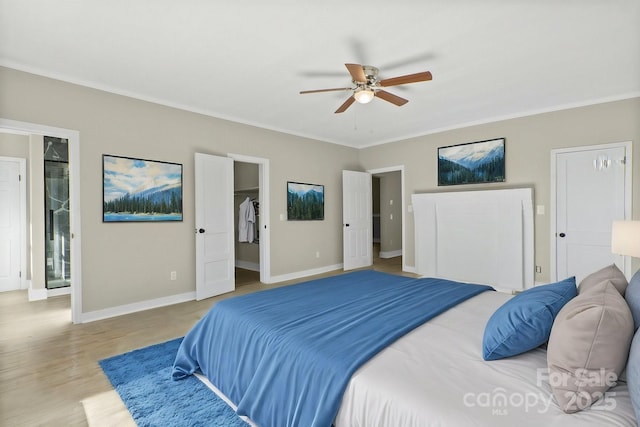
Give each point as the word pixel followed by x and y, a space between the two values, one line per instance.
pixel 49 372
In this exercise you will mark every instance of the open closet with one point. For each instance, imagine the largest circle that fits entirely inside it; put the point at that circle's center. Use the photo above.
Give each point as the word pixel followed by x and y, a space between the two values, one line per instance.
pixel 247 222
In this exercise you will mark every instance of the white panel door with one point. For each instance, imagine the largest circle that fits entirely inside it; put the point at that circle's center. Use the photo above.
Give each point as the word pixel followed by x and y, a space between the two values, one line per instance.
pixel 590 195
pixel 215 264
pixel 9 226
pixel 357 220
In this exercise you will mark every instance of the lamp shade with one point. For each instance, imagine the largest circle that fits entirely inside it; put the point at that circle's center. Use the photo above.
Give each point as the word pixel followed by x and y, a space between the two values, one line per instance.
pixel 625 238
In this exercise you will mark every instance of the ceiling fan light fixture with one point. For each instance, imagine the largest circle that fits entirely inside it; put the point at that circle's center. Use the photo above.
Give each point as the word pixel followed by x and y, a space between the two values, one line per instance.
pixel 364 95
pixel 366 86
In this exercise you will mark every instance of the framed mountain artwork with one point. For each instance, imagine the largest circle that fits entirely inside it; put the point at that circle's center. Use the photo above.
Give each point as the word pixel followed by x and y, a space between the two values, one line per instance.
pixel 472 163
pixel 305 201
pixel 138 190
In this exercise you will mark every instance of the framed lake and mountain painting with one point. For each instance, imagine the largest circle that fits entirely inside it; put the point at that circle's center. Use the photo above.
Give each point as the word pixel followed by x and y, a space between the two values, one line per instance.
pixel 472 163
pixel 305 201
pixel 137 190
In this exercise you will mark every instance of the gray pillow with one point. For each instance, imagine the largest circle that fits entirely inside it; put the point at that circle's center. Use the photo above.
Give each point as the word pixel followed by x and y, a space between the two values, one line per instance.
pixel 633 298
pixel 610 272
pixel 589 346
pixel 633 374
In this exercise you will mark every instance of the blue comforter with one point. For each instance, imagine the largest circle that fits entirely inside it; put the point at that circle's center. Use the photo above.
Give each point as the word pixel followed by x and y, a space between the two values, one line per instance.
pixel 285 355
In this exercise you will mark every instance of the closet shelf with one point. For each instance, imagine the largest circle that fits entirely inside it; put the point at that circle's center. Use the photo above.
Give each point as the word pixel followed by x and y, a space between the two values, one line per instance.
pixel 246 190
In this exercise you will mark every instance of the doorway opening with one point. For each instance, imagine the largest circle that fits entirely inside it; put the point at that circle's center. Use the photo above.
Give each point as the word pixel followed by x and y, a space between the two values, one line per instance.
pixel 251 197
pixel 388 218
pixel 37 286
pixel 246 205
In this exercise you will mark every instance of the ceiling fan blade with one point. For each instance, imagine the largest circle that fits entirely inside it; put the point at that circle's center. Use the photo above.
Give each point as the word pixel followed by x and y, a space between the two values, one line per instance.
pixel 409 78
pixel 357 73
pixel 346 105
pixel 325 90
pixel 389 97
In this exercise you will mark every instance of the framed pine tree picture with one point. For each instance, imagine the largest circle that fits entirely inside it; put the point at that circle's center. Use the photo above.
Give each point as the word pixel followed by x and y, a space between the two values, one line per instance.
pixel 138 190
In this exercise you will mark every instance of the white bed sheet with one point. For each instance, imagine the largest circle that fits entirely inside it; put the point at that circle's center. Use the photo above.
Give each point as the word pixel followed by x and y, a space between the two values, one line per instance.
pixel 435 376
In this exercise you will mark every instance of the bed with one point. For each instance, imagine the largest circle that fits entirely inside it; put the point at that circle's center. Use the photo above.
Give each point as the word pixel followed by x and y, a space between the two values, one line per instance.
pixel 411 356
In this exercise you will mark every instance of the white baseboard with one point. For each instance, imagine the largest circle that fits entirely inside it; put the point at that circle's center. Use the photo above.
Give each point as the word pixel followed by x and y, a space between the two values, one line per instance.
pixel 305 273
pixel 44 293
pixel 390 254
pixel 409 269
pixel 58 292
pixel 253 266
pixel 37 294
pixel 107 313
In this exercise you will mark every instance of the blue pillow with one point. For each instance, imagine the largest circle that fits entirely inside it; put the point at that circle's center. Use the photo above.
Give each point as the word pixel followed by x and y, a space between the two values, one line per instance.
pixel 633 298
pixel 524 322
pixel 633 373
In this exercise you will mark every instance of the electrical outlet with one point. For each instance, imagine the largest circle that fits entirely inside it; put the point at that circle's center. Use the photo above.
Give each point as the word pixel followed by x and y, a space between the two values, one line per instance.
pixel 538 269
pixel 317 254
pixel 174 275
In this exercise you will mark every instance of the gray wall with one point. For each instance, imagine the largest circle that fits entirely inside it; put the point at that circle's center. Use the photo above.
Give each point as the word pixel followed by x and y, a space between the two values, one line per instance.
pixel 12 145
pixel 124 263
pixel 127 262
pixel 529 141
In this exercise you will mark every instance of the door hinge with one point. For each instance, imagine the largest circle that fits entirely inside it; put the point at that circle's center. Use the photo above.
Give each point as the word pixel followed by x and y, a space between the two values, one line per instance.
pixel 19 178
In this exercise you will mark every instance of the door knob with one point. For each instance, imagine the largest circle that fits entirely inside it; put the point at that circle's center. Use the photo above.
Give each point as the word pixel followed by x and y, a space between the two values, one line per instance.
pixel 346 225
pixel 201 230
pixel 561 234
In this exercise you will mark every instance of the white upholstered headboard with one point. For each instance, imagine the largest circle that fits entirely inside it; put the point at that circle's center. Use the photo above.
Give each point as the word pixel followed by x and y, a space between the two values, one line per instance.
pixel 481 236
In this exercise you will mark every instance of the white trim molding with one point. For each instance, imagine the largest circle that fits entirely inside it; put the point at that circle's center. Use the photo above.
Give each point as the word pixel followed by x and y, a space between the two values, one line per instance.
pixel 305 273
pixel 398 168
pixel 246 265
pixel 263 199
pixel 391 254
pixel 73 136
pixel 38 294
pixel 135 307
pixel 628 192
pixel 57 292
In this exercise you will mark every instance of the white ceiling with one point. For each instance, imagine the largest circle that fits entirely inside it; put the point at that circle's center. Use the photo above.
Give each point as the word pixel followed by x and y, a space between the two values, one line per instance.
pixel 246 60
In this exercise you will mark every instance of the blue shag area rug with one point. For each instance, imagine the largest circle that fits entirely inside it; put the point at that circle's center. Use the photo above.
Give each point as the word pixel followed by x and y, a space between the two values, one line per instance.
pixel 143 380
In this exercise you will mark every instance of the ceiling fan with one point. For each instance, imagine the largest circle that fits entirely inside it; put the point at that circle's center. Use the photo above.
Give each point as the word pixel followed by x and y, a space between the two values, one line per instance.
pixel 367 86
